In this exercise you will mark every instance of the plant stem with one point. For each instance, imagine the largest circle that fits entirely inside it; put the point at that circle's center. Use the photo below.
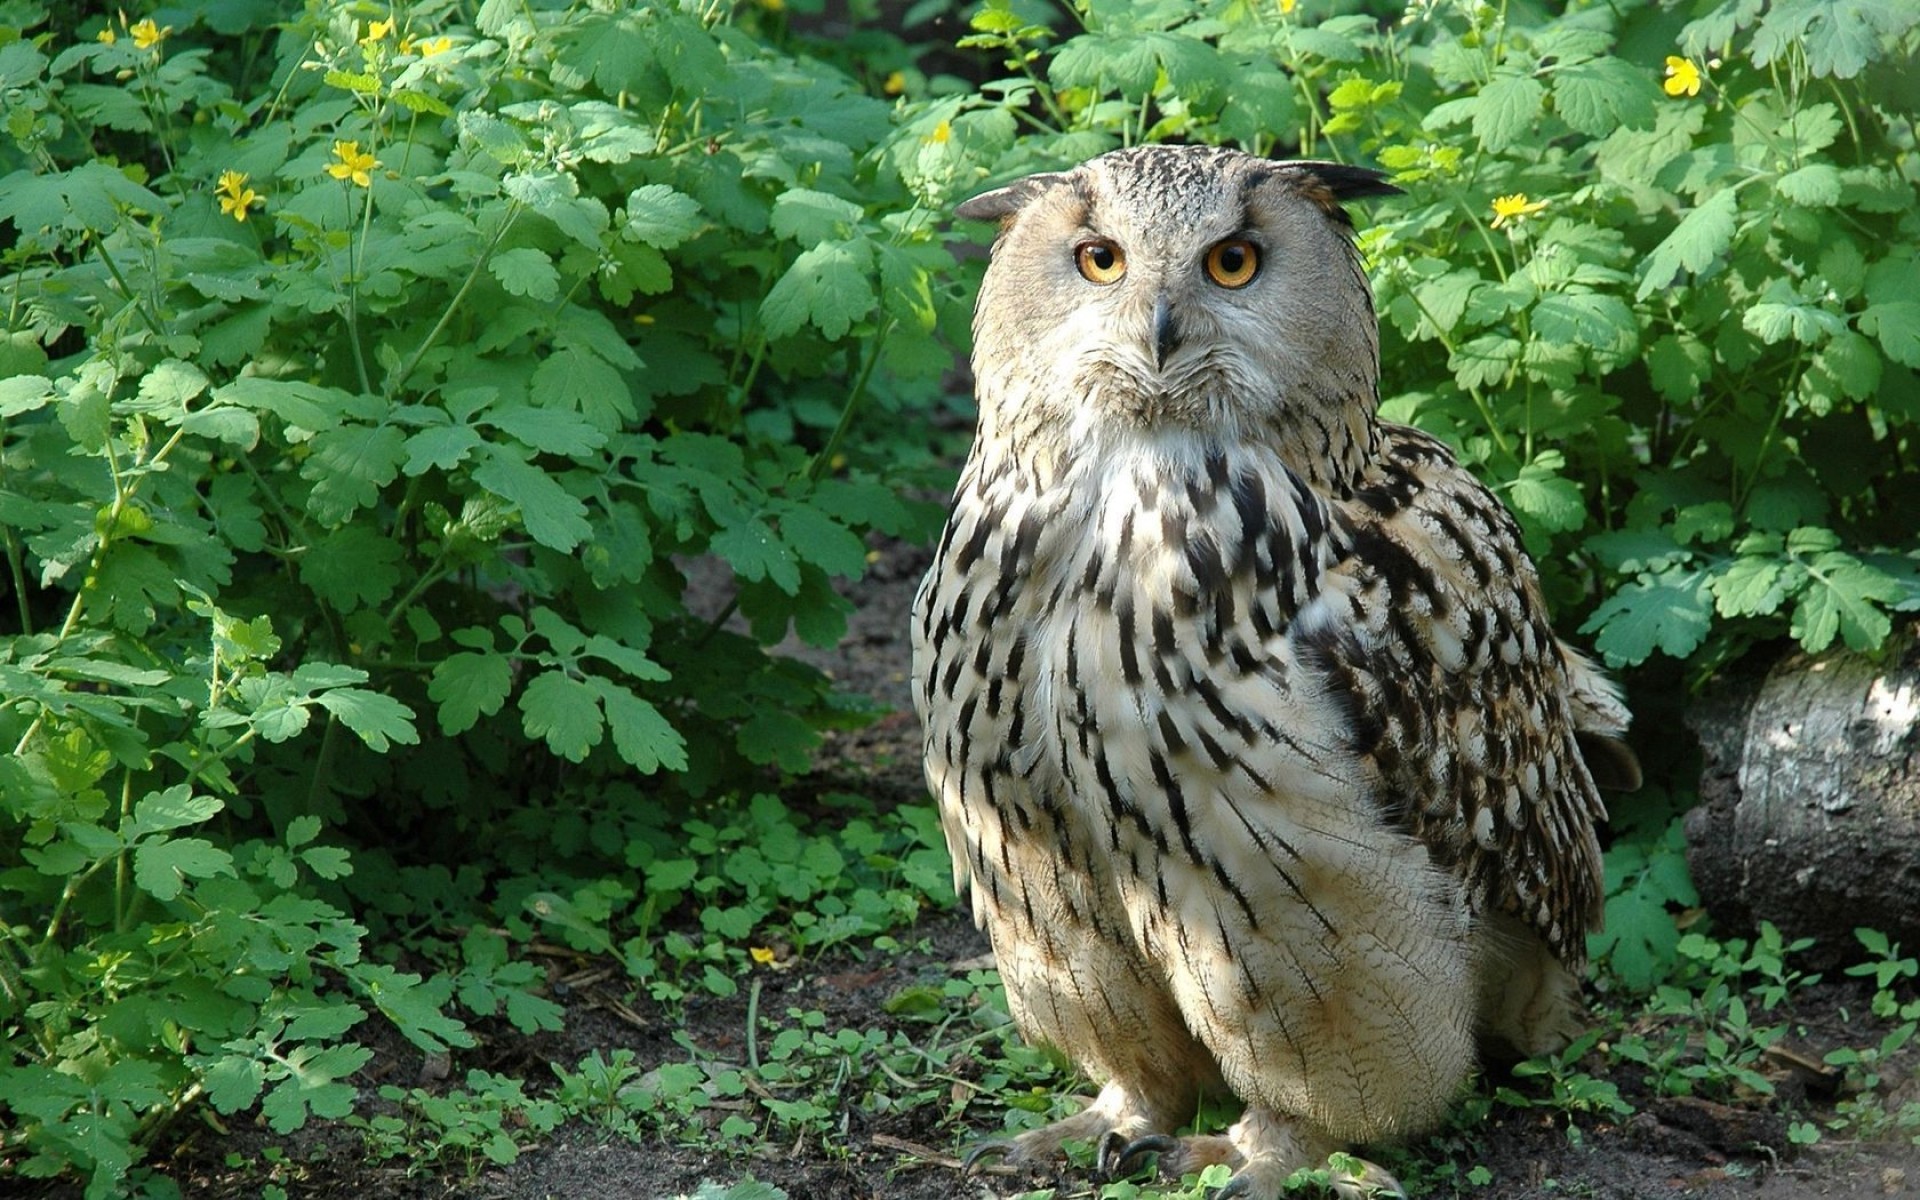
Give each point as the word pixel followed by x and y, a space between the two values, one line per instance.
pixel 433 335
pixel 139 306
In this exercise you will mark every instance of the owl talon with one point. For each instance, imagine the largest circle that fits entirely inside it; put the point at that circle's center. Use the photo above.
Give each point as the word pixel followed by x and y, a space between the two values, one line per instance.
pixel 1116 1152
pixel 981 1151
pixel 1240 1187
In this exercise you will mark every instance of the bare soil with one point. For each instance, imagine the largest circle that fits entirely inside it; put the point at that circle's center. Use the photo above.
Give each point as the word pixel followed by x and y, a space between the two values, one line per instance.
pixel 1671 1147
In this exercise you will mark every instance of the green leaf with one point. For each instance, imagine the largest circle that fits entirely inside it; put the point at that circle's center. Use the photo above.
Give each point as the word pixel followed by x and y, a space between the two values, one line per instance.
pixel 830 285
pixel 1550 498
pixel 175 808
pixel 1844 596
pixel 233 1082
pixel 161 866
pixel 1603 94
pixel 468 686
pixel 564 711
pixel 643 737
pixel 348 466
pixel 353 567
pixel 439 448
pixel 1816 185
pixel 1507 109
pixel 526 272
pixel 379 721
pixel 1838 37
pixel 1751 585
pixel 661 217
pixel 1670 612
pixel 1586 319
pixel 575 378
pixel 810 217
pixel 753 551
pixel 552 516
pixel 823 541
pixel 548 430
pixel 413 1007
pixel 1701 237
pixel 1679 366
pixel 23 394
pixel 1896 323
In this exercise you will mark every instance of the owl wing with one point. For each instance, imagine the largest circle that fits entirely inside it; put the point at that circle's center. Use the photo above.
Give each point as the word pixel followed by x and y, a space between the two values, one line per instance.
pixel 1485 733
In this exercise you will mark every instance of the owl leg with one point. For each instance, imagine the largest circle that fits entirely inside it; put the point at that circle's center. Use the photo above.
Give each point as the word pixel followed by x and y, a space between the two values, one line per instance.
pixel 1264 1149
pixel 1117 1116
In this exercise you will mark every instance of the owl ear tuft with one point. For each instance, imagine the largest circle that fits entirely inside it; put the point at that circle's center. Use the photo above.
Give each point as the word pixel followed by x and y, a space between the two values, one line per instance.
pixel 1348 182
pixel 1004 202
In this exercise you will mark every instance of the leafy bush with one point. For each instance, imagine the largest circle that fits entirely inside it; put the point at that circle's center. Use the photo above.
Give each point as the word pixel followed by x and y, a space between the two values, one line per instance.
pixel 367 388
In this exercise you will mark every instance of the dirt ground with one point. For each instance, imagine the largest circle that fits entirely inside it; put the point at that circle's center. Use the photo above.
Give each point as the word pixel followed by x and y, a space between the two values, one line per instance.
pixel 1669 1148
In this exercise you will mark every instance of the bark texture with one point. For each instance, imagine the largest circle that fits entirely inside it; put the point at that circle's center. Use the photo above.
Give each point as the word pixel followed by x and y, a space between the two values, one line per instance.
pixel 1810 797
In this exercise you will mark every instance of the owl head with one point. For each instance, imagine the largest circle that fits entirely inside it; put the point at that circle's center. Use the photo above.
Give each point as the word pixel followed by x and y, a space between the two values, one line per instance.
pixel 1179 292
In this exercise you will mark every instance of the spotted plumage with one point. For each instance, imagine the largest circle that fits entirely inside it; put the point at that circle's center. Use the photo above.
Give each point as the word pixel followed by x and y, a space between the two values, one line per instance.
pixel 1257 757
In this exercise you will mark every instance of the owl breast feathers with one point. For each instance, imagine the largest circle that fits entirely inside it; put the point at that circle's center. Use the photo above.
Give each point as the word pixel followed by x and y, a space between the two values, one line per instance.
pixel 1254 750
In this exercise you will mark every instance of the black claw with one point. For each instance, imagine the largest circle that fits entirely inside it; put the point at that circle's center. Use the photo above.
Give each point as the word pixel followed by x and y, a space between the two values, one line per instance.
pixel 1240 1187
pixel 1114 1159
pixel 994 1148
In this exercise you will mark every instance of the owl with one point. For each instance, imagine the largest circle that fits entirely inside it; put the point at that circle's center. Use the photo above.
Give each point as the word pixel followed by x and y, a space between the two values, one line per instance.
pixel 1256 756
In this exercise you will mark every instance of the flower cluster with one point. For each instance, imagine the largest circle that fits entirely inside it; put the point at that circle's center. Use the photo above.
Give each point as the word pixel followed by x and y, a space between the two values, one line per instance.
pixel 145 34
pixel 235 196
pixel 1683 77
pixel 352 164
pixel 1511 210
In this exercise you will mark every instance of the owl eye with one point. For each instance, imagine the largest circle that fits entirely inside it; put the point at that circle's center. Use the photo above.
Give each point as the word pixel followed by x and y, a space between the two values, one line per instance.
pixel 1233 264
pixel 1100 261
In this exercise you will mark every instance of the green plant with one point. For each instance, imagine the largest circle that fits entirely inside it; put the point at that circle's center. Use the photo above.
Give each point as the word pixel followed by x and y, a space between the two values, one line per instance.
pixel 491 1119
pixel 1887 968
pixel 373 381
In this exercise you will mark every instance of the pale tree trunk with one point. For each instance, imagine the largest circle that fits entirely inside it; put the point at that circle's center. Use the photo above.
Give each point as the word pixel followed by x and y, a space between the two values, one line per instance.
pixel 1810 797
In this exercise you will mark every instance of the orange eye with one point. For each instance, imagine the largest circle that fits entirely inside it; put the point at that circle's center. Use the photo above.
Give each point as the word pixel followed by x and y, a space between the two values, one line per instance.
pixel 1233 264
pixel 1100 261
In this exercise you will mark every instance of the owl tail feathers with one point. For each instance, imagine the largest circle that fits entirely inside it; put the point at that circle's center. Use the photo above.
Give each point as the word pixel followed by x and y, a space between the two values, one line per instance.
pixel 1599 718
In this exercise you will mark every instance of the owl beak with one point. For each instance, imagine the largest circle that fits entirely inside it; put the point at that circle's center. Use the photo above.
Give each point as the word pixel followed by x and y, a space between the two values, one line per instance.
pixel 1166 332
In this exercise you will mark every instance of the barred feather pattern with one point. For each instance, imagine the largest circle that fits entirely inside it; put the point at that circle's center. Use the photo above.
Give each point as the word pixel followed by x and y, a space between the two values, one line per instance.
pixel 1254 751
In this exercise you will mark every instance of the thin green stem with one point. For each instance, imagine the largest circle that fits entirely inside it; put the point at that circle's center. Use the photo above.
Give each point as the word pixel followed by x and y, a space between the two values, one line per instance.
pixel 753 1025
pixel 16 567
pixel 432 575
pixel 125 895
pixel 139 306
pixel 400 378
pixel 355 251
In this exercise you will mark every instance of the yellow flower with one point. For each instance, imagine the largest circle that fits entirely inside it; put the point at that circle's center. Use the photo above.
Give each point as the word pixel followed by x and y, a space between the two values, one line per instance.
pixel 1287 6
pixel 761 954
pixel 426 47
pixel 377 31
pixel 1683 78
pixel 147 35
pixel 943 132
pixel 1511 210
pixel 774 5
pixel 235 196
pixel 106 36
pixel 895 84
pixel 351 164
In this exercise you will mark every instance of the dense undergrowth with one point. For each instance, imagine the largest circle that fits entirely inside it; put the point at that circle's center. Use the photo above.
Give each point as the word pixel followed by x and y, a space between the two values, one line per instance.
pixel 371 374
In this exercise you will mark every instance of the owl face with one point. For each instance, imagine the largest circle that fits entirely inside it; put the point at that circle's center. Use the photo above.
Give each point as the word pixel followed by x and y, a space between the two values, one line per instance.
pixel 1162 287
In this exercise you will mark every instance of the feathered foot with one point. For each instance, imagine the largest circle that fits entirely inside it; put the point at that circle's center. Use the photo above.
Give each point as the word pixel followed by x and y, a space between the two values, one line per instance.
pixel 1264 1150
pixel 1110 1120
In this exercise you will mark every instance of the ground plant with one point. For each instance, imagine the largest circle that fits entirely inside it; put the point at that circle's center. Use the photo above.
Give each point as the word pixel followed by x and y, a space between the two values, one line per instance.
pixel 385 387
